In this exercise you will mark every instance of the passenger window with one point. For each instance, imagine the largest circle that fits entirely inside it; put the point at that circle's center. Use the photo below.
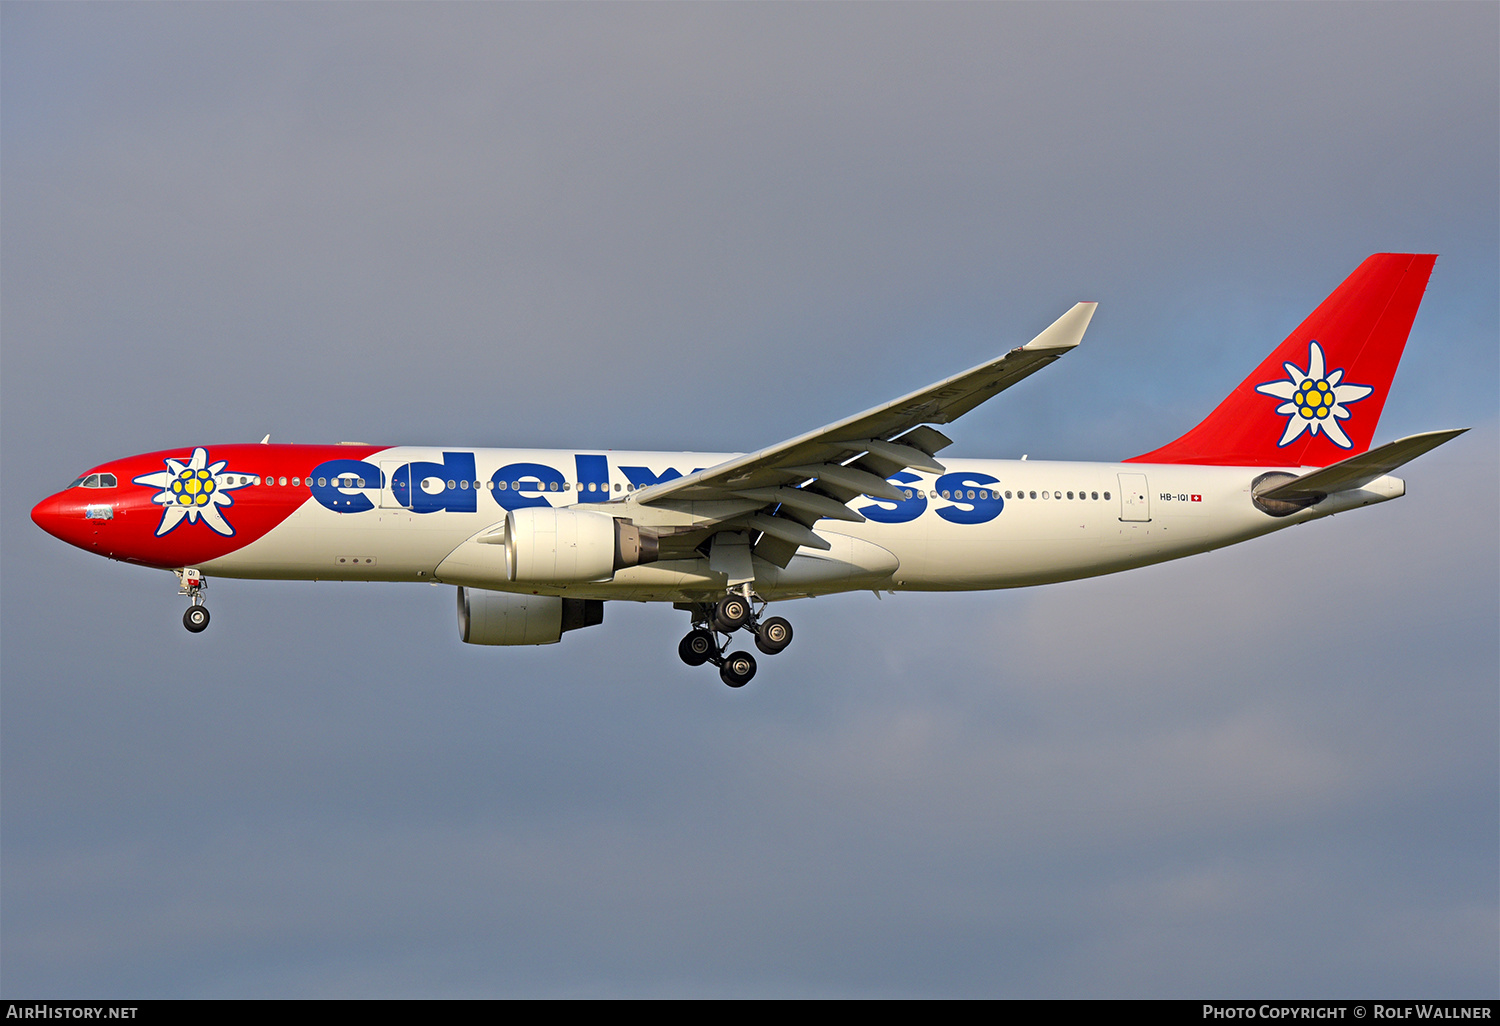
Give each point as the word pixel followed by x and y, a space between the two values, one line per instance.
pixel 1070 495
pixel 463 486
pixel 1106 496
pixel 1096 495
pixel 1033 495
pixel 554 486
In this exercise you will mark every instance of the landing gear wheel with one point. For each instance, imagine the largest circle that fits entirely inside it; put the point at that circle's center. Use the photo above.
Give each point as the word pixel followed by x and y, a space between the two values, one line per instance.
pixel 697 647
pixel 737 670
pixel 731 614
pixel 195 619
pixel 773 635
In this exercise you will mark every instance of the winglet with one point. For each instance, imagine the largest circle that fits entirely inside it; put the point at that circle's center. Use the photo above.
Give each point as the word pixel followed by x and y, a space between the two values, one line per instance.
pixel 1065 332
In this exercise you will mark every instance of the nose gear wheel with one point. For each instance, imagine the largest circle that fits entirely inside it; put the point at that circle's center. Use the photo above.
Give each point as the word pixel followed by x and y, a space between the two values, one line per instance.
pixel 192 585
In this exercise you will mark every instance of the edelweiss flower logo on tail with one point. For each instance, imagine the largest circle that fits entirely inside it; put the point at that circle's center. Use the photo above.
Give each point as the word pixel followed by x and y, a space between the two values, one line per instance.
pixel 1315 399
pixel 194 489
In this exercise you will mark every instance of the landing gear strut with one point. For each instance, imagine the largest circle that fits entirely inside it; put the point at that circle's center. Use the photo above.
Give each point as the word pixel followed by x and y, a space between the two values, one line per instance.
pixel 196 617
pixel 733 612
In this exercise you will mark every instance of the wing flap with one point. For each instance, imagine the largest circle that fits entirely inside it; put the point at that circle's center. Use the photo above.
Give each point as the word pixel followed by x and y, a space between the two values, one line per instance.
pixel 787 530
pixel 799 498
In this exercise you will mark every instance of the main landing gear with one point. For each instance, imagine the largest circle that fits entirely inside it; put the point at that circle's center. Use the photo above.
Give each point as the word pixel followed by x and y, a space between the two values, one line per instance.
pixel 196 617
pixel 732 613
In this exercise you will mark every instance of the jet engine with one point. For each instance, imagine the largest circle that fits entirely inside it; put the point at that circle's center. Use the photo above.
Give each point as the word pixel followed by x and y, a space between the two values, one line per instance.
pixel 551 545
pixel 499 618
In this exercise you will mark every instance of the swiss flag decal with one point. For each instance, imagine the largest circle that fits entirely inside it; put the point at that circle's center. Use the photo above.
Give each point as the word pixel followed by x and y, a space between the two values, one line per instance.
pixel 1196 498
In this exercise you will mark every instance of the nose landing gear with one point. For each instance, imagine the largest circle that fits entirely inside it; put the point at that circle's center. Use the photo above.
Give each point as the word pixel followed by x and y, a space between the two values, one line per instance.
pixel 196 617
pixel 731 613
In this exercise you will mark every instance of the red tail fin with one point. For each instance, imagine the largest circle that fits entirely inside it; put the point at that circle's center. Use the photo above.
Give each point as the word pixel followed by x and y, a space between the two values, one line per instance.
pixel 1318 397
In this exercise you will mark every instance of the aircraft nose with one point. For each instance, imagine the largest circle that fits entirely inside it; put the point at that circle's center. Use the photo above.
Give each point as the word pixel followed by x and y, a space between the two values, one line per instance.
pixel 62 517
pixel 48 515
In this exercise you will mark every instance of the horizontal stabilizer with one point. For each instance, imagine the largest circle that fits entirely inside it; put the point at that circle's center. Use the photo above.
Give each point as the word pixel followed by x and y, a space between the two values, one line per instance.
pixel 1357 471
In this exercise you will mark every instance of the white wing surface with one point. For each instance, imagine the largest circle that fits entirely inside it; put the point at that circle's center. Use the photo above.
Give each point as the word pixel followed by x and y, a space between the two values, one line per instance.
pixel 783 490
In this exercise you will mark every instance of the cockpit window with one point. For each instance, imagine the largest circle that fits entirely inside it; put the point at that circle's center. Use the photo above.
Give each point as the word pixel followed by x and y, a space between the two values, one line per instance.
pixel 96 481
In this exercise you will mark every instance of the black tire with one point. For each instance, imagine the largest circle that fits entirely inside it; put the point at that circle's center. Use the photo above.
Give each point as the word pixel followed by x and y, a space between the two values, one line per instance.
pixel 697 647
pixel 196 619
pixel 773 636
pixel 731 613
pixel 737 670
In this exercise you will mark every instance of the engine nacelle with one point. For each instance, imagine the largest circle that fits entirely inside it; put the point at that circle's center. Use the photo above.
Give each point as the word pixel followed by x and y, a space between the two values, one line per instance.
pixel 499 618
pixel 551 545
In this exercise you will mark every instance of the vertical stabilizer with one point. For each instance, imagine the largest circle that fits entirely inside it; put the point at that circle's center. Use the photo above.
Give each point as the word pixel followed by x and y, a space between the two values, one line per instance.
pixel 1317 398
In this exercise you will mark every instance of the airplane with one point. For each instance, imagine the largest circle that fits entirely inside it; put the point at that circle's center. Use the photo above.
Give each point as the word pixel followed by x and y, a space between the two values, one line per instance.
pixel 535 542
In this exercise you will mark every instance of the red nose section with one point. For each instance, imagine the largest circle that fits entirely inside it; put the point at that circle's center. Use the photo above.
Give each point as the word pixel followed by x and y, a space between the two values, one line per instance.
pixel 65 516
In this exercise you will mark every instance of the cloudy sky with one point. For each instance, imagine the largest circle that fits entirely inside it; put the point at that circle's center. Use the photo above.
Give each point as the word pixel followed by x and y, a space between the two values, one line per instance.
pixel 1267 771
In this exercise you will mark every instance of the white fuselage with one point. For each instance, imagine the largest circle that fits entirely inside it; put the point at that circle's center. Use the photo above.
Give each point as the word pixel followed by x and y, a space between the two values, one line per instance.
pixel 1028 522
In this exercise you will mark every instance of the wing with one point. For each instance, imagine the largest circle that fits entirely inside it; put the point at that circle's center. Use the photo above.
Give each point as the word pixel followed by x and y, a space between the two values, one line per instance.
pixel 783 490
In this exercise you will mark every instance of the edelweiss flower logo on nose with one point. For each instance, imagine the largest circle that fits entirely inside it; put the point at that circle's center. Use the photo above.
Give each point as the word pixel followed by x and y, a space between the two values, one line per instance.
pixel 1316 400
pixel 194 489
